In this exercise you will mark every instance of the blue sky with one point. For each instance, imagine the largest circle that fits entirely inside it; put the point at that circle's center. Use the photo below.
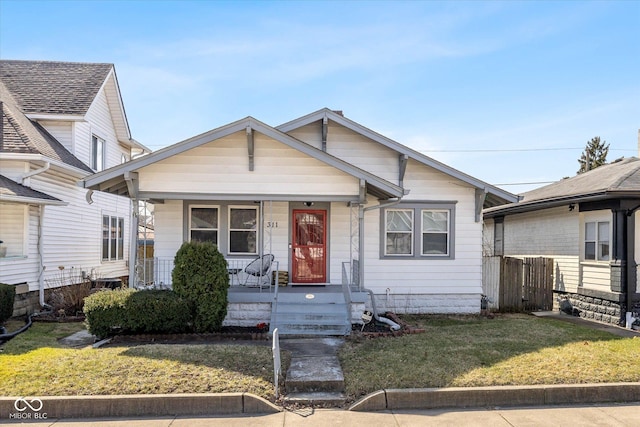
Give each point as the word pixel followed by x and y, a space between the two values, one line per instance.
pixel 444 78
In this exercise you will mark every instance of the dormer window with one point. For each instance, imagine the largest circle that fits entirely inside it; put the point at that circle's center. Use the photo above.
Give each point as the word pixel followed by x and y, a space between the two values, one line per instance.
pixel 97 153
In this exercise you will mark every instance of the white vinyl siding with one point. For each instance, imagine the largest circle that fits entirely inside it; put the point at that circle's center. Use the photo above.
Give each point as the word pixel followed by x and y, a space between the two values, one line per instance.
pixel 62 131
pixel 208 168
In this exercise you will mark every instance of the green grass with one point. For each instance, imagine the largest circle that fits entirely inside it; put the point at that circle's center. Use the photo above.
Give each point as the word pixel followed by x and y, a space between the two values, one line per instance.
pixel 475 351
pixel 454 351
pixel 35 364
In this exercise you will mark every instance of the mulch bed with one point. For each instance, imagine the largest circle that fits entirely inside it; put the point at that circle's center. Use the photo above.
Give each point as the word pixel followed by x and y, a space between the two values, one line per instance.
pixel 375 329
pixel 227 333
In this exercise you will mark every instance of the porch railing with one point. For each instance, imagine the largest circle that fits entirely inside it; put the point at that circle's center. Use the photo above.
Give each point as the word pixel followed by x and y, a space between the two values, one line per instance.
pixel 155 273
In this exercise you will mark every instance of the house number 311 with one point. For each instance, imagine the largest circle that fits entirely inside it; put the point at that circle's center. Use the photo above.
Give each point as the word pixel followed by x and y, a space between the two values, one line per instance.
pixel 272 224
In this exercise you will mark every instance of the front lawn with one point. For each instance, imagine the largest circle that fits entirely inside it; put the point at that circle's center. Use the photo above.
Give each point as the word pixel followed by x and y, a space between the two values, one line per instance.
pixel 476 351
pixel 34 364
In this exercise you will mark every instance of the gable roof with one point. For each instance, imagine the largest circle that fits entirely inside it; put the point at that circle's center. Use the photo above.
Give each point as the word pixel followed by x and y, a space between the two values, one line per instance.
pixel 66 90
pixel 57 88
pixel 494 195
pixel 617 179
pixel 23 136
pixel 113 179
pixel 11 191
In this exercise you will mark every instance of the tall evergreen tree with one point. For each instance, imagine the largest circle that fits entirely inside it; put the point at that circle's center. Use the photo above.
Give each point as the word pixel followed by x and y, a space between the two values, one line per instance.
pixel 594 155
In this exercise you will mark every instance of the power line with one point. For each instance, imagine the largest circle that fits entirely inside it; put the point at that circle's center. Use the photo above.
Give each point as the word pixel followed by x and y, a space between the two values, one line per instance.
pixel 525 183
pixel 499 150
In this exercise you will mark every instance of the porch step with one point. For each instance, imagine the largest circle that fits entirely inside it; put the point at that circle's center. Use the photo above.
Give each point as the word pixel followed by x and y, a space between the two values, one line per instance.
pixel 310 318
pixel 321 399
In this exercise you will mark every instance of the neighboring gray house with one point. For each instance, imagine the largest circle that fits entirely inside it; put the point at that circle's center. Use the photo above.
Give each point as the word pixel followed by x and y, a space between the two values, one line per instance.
pixel 589 225
pixel 61 122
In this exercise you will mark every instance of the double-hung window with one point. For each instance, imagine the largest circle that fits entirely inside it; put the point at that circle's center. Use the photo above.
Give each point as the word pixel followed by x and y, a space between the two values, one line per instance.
pixel 435 232
pixel 399 232
pixel 97 153
pixel 203 224
pixel 243 230
pixel 418 230
pixel 596 241
pixel 112 238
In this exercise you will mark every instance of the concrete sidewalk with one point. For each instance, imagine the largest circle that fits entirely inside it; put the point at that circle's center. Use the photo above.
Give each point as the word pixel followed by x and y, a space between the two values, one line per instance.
pixel 584 415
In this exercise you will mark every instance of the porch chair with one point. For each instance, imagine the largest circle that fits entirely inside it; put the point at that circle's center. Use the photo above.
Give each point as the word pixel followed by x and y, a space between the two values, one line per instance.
pixel 258 273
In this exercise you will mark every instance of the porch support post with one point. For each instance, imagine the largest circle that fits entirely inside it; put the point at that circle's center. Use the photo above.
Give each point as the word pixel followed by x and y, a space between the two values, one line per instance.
pixel 131 178
pixel 250 147
pixel 325 132
pixel 360 246
pixel 481 195
pixel 402 168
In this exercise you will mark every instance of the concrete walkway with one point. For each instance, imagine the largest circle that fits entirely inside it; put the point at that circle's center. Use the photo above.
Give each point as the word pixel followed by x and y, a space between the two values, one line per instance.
pixel 315 375
pixel 612 329
pixel 579 415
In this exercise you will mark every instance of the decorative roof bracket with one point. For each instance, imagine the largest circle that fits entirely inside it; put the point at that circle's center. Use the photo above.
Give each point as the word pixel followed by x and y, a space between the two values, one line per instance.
pixel 250 147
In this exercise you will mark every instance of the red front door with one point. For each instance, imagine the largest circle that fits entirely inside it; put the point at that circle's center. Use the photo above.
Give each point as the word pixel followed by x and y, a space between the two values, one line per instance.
pixel 309 252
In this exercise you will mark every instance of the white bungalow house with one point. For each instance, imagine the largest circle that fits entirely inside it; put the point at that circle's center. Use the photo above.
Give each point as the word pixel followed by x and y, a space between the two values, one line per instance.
pixel 61 122
pixel 588 225
pixel 346 213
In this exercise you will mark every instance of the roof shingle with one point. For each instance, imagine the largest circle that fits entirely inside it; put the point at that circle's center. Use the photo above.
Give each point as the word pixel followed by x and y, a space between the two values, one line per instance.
pixel 47 87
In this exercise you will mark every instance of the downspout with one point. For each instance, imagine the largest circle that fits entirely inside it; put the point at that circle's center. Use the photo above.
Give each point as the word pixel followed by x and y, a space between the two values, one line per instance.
pixel 41 267
pixel 41 260
pixel 394 326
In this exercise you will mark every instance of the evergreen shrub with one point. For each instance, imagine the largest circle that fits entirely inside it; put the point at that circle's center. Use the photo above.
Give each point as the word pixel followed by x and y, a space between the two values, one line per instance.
pixel 128 311
pixel 7 298
pixel 200 276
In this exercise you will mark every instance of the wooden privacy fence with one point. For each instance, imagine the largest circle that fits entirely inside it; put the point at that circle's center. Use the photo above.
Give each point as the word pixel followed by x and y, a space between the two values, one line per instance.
pixel 519 284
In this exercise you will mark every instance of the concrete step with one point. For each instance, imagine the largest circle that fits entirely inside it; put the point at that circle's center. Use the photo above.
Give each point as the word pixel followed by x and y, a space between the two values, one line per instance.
pixel 325 400
pixel 312 330
pixel 314 374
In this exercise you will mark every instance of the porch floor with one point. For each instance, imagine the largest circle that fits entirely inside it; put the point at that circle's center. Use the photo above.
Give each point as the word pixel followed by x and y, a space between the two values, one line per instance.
pixel 248 294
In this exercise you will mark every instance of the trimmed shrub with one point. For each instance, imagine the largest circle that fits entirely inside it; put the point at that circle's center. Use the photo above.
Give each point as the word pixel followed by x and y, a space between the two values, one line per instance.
pixel 129 311
pixel 200 275
pixel 7 298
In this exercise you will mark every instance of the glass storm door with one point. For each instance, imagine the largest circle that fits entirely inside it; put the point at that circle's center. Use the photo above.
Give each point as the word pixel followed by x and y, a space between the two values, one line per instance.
pixel 309 252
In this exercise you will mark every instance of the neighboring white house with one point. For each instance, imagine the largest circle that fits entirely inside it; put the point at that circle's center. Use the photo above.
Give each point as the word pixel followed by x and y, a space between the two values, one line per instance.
pixel 333 201
pixel 61 122
pixel 588 224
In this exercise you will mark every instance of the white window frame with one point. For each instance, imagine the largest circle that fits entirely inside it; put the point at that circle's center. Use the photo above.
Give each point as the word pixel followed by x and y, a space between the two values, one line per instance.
pixel 447 233
pixel 597 241
pixel 191 227
pixel 230 230
pixel 98 153
pixel 410 232
pixel 114 238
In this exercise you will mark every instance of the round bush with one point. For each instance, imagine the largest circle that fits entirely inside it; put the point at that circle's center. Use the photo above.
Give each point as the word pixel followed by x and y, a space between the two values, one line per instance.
pixel 200 276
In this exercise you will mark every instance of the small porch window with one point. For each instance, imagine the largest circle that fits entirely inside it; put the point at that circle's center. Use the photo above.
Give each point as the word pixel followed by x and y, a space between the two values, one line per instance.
pixel 243 231
pixel 596 241
pixel 203 224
